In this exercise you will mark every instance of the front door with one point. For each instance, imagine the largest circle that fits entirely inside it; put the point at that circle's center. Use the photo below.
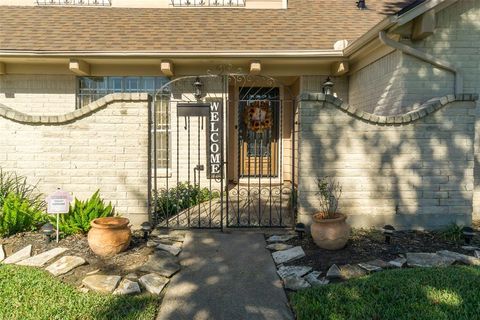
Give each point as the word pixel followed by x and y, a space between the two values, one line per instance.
pixel 259 115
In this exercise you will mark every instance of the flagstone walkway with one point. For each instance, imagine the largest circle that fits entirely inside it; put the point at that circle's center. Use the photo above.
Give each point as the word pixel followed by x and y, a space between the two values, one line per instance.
pixel 225 276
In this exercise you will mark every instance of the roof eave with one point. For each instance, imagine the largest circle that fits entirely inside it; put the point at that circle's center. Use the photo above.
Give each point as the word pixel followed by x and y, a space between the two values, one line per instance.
pixel 421 9
pixel 392 22
pixel 369 36
pixel 177 54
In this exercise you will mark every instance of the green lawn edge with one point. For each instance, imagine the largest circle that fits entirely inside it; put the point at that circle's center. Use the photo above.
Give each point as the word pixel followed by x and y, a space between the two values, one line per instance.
pixel 29 293
pixel 417 293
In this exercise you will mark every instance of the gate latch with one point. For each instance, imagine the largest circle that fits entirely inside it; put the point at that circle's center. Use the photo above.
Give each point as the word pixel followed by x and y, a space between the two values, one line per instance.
pixel 199 167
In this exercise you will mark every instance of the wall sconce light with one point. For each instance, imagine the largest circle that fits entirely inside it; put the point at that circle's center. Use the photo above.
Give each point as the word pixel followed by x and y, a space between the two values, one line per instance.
pixel 388 231
pixel 198 88
pixel 146 228
pixel 328 86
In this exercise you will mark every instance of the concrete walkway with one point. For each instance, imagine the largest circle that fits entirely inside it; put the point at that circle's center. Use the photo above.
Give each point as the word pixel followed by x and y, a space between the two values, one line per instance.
pixel 225 277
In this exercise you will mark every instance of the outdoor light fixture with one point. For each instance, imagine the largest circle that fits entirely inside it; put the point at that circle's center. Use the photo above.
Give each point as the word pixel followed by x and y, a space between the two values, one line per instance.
pixel 300 229
pixel 146 228
pixel 468 234
pixel 47 229
pixel 388 231
pixel 361 5
pixel 328 86
pixel 198 88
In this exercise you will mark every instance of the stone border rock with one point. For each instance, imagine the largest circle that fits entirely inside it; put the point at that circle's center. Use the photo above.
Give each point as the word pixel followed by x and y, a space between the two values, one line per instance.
pixel 419 113
pixel 159 268
pixel 20 117
pixel 297 277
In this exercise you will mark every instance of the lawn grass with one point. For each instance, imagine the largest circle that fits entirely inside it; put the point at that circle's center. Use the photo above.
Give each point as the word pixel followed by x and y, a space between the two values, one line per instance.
pixel 28 293
pixel 420 293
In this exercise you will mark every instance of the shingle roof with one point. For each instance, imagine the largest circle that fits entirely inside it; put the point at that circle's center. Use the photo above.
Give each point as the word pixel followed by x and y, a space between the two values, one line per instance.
pixel 305 25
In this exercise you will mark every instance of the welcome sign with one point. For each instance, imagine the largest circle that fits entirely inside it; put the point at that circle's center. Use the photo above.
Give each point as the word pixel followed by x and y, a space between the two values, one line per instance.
pixel 215 140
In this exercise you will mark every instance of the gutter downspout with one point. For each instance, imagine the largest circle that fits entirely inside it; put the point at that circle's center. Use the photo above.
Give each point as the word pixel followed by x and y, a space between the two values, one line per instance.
pixel 424 57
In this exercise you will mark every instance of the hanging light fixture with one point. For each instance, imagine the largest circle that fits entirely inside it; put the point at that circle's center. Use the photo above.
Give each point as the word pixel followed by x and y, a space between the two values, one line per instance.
pixel 198 88
pixel 328 86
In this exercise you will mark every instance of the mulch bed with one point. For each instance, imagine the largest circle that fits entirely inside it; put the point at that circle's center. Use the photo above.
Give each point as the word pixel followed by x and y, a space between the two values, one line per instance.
pixel 365 245
pixel 121 264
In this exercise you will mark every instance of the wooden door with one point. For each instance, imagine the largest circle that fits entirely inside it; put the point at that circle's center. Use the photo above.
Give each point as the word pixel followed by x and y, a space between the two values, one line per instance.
pixel 259 133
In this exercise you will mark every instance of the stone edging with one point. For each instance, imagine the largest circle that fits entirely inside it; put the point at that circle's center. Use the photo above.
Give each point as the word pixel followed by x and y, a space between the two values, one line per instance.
pixel 421 112
pixel 17 116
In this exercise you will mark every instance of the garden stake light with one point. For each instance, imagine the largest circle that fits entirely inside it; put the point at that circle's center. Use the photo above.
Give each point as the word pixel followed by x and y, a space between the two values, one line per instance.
pixel 468 234
pixel 300 229
pixel 47 229
pixel 388 231
pixel 146 228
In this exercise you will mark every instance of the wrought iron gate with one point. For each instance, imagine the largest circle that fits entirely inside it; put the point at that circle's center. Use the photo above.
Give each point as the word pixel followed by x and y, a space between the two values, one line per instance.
pixel 222 153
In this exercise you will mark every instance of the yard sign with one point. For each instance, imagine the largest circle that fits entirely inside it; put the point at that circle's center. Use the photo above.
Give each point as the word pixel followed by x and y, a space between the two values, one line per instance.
pixel 58 203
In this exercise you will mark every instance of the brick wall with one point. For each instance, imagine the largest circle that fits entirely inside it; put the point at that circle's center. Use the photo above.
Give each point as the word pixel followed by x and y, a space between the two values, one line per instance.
pixel 457 40
pixel 106 150
pixel 417 175
pixel 397 83
pixel 38 94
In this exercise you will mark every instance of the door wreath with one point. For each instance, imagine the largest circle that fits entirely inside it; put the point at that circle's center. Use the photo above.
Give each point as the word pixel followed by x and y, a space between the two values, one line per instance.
pixel 257 116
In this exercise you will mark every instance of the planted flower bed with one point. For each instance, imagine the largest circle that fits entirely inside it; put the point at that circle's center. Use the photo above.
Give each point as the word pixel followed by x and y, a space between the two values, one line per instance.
pixel 302 264
pixel 365 245
pixel 109 260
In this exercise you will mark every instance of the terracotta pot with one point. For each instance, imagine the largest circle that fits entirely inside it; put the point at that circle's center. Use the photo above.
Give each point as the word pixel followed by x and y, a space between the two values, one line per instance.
pixel 109 236
pixel 330 234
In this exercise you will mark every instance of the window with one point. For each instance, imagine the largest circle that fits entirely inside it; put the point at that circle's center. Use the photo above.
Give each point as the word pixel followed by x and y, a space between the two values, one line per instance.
pixel 208 3
pixel 94 88
pixel 74 2
pixel 163 134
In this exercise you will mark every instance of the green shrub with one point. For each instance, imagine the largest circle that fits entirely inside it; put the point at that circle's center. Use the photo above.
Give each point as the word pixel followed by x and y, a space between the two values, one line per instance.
pixel 174 200
pixel 453 232
pixel 21 206
pixel 17 214
pixel 81 213
pixel 10 182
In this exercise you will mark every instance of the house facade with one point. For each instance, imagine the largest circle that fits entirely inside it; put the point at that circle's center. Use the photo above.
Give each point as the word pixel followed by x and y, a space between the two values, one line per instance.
pixel 250 101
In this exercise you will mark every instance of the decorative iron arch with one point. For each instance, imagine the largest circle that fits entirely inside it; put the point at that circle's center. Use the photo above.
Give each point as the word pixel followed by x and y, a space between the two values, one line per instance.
pixel 185 144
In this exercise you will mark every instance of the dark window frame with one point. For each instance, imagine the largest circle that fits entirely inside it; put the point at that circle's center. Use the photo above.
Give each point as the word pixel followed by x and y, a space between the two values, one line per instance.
pixel 86 93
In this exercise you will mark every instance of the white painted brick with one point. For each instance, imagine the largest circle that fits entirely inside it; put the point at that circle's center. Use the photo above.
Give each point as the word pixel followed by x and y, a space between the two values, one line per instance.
pixel 420 169
pixel 83 156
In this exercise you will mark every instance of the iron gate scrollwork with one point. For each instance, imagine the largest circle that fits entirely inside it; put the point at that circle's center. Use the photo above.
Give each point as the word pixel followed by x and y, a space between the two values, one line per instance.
pixel 223 153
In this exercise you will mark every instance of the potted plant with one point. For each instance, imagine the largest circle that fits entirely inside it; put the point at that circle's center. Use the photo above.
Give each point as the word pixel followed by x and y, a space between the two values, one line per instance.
pixel 109 236
pixel 329 229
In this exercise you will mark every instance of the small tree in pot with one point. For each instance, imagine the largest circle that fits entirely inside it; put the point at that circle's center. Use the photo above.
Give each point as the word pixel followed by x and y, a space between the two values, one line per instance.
pixel 329 228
